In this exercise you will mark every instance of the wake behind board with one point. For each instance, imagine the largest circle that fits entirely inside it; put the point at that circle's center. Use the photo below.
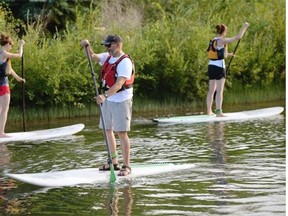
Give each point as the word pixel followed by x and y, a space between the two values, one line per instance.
pixel 94 176
pixel 233 116
pixel 43 134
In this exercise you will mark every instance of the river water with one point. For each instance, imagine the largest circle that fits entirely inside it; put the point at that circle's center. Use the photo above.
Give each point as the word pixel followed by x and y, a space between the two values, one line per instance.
pixel 240 170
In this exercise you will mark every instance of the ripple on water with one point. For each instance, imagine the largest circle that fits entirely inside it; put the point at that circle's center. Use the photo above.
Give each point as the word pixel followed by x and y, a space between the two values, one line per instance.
pixel 240 170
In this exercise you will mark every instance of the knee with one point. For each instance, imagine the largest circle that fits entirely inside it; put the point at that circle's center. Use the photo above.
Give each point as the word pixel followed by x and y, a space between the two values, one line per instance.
pixel 211 92
pixel 4 111
pixel 109 132
pixel 122 134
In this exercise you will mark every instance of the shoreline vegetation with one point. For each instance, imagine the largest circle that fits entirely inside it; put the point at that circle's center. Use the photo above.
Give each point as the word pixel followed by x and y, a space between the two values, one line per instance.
pixel 167 40
pixel 233 97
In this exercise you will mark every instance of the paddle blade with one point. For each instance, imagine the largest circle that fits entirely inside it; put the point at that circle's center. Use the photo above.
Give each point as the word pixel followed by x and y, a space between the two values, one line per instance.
pixel 112 174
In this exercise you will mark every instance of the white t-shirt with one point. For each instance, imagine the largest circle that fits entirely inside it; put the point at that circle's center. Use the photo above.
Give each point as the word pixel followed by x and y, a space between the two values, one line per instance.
pixel 124 69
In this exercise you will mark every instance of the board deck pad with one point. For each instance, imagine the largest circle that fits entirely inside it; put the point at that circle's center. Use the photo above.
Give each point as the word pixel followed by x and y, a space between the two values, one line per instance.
pixel 94 176
pixel 233 116
pixel 43 134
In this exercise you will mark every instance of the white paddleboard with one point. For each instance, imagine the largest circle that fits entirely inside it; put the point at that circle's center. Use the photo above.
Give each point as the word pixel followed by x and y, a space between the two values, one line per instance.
pixel 42 134
pixel 93 175
pixel 233 116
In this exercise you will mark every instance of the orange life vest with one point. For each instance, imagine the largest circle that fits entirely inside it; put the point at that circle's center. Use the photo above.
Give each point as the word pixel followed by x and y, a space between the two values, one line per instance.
pixel 213 52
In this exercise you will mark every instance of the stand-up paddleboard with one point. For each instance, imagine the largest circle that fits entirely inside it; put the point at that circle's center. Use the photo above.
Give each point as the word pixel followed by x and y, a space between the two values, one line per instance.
pixel 94 176
pixel 39 135
pixel 233 116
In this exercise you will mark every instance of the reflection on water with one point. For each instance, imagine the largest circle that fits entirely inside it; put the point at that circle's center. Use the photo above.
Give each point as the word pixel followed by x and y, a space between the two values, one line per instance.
pixel 5 155
pixel 120 199
pixel 9 206
pixel 218 160
pixel 240 170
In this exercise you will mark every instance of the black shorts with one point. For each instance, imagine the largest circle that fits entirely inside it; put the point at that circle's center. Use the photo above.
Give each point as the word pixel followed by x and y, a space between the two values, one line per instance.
pixel 215 72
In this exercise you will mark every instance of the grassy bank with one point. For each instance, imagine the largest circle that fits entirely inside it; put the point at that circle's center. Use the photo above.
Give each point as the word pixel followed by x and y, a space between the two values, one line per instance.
pixel 233 96
pixel 254 94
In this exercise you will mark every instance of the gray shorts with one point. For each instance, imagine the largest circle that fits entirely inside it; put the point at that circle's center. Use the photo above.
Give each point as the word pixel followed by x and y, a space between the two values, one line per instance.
pixel 117 115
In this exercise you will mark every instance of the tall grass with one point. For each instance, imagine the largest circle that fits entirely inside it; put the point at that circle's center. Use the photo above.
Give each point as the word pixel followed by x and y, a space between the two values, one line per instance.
pixel 234 96
pixel 243 94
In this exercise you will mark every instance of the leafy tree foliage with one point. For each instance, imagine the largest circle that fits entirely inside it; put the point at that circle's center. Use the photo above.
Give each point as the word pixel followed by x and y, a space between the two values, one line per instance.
pixel 167 40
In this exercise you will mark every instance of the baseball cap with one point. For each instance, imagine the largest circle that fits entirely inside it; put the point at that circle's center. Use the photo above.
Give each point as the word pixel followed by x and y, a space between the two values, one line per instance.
pixel 112 38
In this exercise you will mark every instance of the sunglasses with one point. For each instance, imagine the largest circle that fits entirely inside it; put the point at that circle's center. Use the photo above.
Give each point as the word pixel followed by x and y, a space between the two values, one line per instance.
pixel 109 45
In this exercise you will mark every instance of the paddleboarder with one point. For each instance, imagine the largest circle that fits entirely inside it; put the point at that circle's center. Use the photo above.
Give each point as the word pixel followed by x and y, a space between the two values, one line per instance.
pixel 5 56
pixel 117 78
pixel 216 67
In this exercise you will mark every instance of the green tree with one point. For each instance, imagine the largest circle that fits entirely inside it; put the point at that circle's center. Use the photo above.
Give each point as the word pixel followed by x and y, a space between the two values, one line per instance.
pixel 168 47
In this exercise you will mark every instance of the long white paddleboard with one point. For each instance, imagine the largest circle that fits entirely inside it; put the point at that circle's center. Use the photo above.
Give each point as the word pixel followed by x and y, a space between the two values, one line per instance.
pixel 233 116
pixel 42 134
pixel 94 176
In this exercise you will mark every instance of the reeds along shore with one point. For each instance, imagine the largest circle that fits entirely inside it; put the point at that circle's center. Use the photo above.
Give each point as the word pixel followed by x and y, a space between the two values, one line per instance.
pixel 235 96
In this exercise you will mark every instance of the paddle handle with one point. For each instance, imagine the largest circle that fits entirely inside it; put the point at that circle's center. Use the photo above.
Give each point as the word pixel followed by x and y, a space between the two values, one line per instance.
pixel 232 56
pixel 235 49
pixel 97 94
pixel 23 94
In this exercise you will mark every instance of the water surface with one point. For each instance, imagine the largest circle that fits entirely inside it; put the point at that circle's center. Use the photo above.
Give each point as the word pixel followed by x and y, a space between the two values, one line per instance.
pixel 240 170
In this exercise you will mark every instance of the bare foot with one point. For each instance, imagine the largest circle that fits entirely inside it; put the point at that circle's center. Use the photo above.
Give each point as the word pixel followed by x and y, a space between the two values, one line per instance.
pixel 220 115
pixel 4 136
pixel 211 113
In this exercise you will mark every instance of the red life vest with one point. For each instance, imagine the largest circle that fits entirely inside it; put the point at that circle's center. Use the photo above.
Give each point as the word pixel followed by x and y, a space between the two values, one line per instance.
pixel 108 74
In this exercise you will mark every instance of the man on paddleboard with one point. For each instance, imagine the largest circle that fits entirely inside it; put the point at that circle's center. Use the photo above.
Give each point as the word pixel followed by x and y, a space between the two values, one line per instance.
pixel 117 77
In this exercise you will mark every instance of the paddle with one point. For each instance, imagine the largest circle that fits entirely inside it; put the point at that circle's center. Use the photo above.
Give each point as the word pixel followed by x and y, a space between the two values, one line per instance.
pixel 23 93
pixel 112 173
pixel 232 56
